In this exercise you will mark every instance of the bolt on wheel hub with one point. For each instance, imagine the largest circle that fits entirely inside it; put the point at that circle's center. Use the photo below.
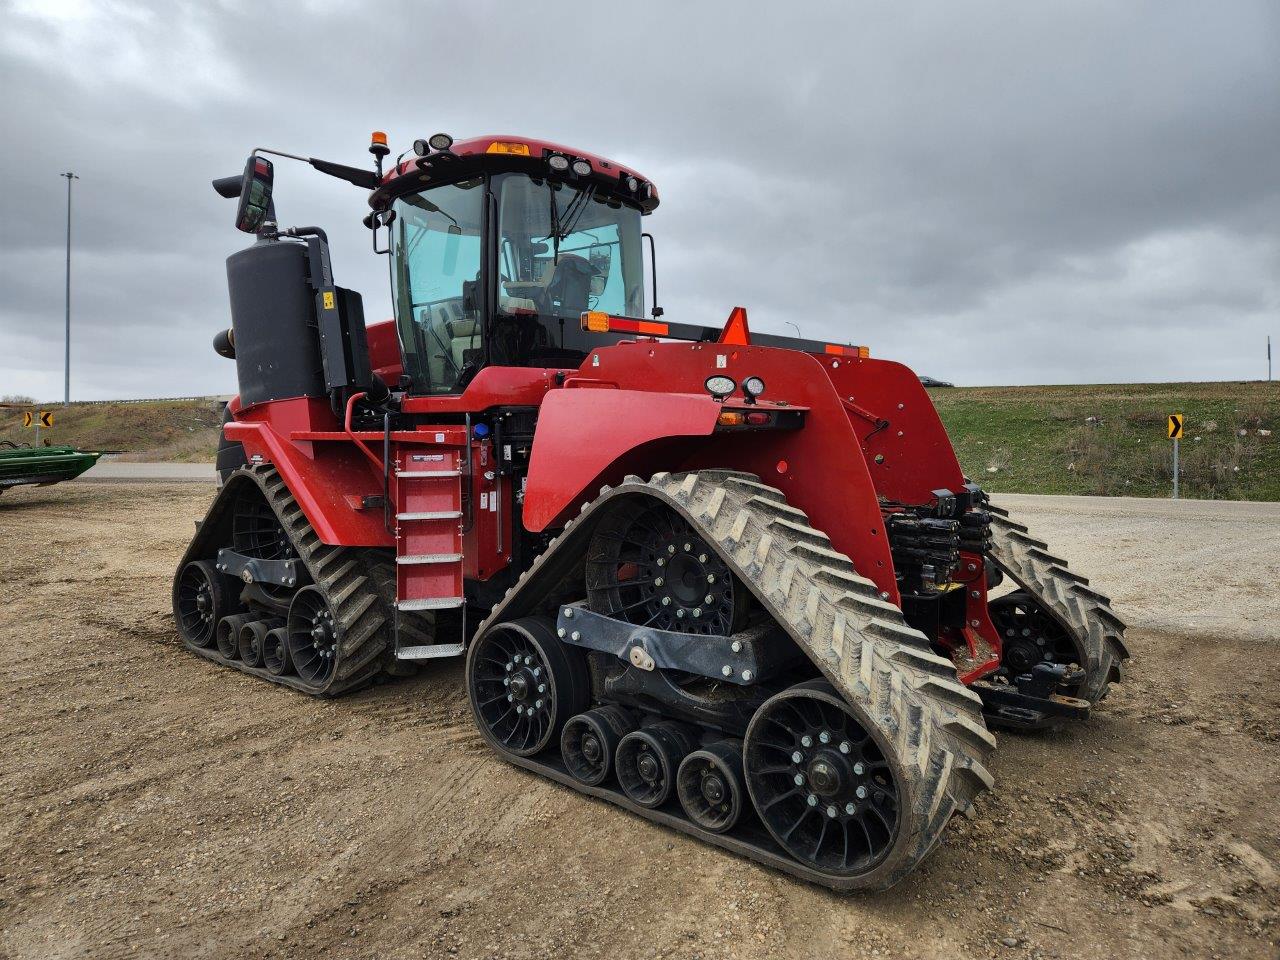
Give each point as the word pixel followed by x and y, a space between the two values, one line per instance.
pixel 713 788
pixel 649 567
pixel 820 781
pixel 826 777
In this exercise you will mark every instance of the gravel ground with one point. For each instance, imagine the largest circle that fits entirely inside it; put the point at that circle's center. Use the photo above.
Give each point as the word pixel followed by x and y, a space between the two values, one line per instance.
pixel 155 805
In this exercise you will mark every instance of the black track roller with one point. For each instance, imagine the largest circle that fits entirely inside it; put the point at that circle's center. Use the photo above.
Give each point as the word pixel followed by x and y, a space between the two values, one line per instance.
pixel 275 652
pixel 253 637
pixel 590 740
pixel 647 761
pixel 710 786
pixel 229 634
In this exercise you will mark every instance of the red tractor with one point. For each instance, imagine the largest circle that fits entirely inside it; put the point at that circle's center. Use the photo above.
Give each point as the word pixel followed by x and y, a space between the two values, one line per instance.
pixel 734 583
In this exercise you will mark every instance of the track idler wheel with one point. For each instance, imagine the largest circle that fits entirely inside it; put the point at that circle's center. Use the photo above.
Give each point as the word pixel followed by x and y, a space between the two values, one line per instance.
pixel 275 652
pixel 709 784
pixel 648 759
pixel 313 635
pixel 524 684
pixel 1029 634
pixel 252 640
pixel 229 634
pixel 200 601
pixel 590 740
pixel 822 781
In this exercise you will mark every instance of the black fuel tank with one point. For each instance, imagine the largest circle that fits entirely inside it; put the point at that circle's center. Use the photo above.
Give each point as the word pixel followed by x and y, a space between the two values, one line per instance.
pixel 273 314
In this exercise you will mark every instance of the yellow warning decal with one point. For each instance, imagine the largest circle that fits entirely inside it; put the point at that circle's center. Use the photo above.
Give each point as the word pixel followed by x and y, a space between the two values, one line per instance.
pixel 328 299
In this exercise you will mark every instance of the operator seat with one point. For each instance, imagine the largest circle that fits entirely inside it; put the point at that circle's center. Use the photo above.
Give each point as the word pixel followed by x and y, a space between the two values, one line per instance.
pixel 568 285
pixel 463 335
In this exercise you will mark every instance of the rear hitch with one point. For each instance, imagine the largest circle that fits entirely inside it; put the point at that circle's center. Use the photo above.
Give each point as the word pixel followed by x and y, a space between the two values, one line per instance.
pixel 1032 702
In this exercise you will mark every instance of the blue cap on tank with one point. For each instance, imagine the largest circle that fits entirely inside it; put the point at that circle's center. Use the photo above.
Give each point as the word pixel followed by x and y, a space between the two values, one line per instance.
pixel 481 430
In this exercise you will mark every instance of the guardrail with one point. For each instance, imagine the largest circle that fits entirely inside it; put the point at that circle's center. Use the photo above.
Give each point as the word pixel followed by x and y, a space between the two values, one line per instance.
pixel 221 398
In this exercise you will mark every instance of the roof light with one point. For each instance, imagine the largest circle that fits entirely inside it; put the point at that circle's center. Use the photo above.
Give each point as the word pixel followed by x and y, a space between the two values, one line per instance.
pixel 558 163
pixel 720 386
pixel 442 141
pixel 378 137
pixel 633 184
pixel 753 387
pixel 421 147
pixel 378 144
pixel 508 147
pixel 581 167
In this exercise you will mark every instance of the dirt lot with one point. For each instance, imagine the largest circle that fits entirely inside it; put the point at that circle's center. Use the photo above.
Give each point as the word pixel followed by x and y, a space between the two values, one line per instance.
pixel 154 805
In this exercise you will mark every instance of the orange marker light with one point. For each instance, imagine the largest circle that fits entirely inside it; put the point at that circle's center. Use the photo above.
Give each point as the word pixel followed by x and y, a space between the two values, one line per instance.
pixel 507 146
pixel 729 418
pixel 595 321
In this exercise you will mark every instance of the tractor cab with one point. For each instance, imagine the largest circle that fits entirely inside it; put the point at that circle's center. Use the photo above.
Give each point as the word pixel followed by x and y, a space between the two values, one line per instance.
pixel 498 247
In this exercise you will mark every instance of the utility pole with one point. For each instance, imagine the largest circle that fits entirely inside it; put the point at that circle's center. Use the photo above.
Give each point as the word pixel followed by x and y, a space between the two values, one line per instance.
pixel 1268 358
pixel 66 395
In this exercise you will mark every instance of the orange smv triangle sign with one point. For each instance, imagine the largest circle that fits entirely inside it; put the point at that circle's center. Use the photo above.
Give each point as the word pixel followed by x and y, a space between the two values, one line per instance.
pixel 735 331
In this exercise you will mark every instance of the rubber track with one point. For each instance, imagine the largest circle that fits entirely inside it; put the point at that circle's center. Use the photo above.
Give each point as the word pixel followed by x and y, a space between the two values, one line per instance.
pixel 354 581
pixel 860 642
pixel 1082 611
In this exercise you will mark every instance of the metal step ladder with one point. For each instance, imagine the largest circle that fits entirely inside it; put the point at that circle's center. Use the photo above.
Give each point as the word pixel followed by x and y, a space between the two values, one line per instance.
pixel 428 500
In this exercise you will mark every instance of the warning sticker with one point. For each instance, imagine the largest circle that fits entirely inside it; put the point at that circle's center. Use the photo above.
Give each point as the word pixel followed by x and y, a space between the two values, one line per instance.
pixel 328 299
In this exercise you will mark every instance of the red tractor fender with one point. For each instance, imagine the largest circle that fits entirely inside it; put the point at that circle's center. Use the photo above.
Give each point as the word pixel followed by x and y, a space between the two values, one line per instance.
pixel 328 479
pixel 589 437
pixel 583 435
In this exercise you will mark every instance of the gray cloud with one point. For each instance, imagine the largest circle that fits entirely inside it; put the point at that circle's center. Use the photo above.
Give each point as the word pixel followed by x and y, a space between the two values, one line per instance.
pixel 993 193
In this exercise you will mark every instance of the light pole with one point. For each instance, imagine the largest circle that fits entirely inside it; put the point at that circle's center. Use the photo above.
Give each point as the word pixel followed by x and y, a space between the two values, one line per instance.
pixel 66 395
pixel 791 323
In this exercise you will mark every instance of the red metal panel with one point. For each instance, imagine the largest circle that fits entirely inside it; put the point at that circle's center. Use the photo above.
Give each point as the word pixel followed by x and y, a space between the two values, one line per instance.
pixel 495 387
pixel 581 434
pixel 588 437
pixel 487 542
pixel 915 454
pixel 321 478
pixel 384 351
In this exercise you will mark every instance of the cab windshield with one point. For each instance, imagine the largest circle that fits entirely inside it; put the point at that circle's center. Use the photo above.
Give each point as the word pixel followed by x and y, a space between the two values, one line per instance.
pixel 560 250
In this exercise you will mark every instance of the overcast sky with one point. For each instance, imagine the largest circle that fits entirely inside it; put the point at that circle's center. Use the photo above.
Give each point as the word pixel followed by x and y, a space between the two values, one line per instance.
pixel 989 192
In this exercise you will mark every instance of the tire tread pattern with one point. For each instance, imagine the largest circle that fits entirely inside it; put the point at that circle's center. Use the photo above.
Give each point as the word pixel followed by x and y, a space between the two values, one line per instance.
pixel 357 582
pixel 1066 596
pixel 860 642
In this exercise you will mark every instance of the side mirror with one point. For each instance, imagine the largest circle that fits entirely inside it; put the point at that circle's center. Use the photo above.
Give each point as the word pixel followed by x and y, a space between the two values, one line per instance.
pixel 255 194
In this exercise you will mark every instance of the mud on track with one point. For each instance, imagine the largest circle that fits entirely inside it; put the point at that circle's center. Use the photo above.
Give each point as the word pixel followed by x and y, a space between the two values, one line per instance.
pixel 154 805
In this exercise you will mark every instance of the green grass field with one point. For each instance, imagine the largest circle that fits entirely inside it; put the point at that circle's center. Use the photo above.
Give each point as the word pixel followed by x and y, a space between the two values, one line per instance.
pixel 185 430
pixel 1010 439
pixel 1041 440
